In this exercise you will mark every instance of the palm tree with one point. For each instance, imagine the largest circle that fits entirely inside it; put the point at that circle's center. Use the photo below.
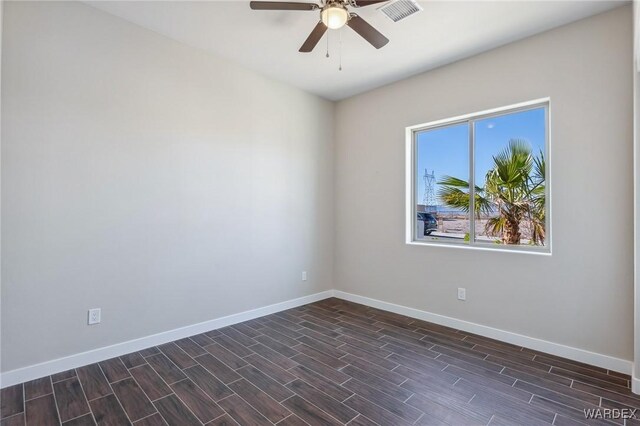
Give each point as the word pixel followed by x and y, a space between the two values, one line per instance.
pixel 514 187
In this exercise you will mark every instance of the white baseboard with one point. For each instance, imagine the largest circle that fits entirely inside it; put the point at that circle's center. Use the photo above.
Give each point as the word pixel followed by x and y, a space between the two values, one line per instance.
pixel 78 360
pixel 73 361
pixel 580 355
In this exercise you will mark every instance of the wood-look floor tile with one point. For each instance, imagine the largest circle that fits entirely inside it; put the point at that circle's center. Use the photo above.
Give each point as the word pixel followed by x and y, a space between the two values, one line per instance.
pixel 488 370
pixel 292 420
pixel 150 382
pixel 322 369
pixel 279 337
pixel 198 402
pixel 70 399
pixel 449 411
pixel 567 396
pixel 42 411
pixel 177 355
pixel 108 412
pixel 285 323
pixel 114 370
pixel 511 409
pixel 332 362
pixel 11 400
pixel 272 370
pixel 86 420
pixel 259 400
pixel 323 401
pixel 308 412
pixel 407 349
pixel 368 356
pixel 224 420
pixel 362 421
pixel 15 420
pixel 256 377
pixel 242 412
pixel 152 420
pixel 94 383
pixel 202 340
pixel 149 351
pixel 212 334
pixel 232 345
pixel 320 382
pixel 174 412
pixel 169 372
pixel 320 329
pixel 280 329
pixel 576 414
pixel 273 356
pixel 373 411
pixel 480 384
pixel 374 369
pixel 190 347
pixel 37 388
pixel 246 330
pixel 210 384
pixel 237 336
pixel 276 346
pixel 218 368
pixel 132 360
pixel 228 357
pixel 328 362
pixel 133 400
pixel 63 375
pixel 384 400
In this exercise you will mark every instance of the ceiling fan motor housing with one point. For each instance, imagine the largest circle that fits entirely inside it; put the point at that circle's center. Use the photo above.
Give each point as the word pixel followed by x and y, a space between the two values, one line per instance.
pixel 334 15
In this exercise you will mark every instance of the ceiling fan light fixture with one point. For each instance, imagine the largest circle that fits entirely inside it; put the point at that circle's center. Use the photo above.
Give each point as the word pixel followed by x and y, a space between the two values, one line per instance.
pixel 335 17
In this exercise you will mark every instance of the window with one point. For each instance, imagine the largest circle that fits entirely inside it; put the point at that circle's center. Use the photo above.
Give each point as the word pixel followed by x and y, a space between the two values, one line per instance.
pixel 481 180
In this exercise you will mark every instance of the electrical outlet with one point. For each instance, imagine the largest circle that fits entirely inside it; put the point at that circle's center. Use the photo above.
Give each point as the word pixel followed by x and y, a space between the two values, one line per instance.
pixel 462 293
pixel 94 316
pixel 304 275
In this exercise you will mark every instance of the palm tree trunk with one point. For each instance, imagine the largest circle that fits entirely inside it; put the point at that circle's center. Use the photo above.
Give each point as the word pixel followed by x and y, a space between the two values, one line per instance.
pixel 511 233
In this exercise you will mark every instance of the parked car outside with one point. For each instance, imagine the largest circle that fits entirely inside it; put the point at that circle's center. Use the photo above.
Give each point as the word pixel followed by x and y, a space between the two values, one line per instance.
pixel 430 222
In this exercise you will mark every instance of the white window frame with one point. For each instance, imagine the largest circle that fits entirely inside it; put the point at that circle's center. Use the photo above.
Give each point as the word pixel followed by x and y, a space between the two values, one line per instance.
pixel 411 168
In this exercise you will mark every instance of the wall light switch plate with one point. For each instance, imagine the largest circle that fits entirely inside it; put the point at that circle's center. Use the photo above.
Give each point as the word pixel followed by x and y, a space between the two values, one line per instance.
pixel 462 293
pixel 304 275
pixel 94 316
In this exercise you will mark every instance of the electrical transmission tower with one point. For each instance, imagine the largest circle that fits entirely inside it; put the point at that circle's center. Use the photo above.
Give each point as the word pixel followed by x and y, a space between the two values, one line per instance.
pixel 429 199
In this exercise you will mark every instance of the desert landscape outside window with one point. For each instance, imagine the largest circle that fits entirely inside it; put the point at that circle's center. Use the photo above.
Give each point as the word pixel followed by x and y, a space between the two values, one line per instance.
pixel 482 180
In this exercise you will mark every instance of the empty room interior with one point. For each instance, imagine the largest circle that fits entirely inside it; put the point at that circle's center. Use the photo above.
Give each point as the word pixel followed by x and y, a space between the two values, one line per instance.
pixel 320 212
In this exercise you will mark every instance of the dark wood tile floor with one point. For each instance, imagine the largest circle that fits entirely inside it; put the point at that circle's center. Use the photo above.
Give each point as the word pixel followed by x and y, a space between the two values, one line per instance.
pixel 328 363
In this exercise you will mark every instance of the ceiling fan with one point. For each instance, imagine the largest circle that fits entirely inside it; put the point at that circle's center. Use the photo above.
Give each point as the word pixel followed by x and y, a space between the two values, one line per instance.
pixel 334 14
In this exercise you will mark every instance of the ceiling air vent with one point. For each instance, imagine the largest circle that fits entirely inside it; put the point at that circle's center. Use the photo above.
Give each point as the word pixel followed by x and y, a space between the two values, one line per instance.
pixel 398 10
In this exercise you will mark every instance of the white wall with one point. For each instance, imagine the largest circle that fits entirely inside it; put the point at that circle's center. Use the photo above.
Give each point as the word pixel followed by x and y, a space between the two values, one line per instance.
pixel 150 179
pixel 582 295
pixel 636 146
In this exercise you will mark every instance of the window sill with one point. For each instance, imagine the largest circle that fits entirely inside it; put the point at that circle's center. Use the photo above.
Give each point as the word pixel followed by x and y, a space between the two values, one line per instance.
pixel 546 251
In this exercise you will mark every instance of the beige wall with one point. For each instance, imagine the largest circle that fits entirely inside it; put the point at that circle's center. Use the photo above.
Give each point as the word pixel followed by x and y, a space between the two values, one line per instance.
pixel 150 179
pixel 582 295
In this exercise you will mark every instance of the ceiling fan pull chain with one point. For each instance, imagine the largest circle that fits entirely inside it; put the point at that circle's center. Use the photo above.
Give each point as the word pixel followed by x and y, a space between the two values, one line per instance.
pixel 340 50
pixel 327 44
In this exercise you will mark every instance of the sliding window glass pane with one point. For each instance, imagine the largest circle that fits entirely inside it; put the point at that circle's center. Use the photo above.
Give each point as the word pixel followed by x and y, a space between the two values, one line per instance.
pixel 442 191
pixel 510 177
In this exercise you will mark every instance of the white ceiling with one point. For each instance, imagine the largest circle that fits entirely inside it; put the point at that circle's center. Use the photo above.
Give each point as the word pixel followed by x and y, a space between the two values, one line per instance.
pixel 268 41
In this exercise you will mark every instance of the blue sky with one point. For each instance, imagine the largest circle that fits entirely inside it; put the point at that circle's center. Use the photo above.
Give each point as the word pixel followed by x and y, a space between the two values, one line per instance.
pixel 446 150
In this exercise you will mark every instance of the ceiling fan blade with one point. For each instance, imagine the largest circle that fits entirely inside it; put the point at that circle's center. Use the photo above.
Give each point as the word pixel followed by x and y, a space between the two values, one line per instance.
pixel 313 38
pixel 363 3
pixel 280 5
pixel 367 32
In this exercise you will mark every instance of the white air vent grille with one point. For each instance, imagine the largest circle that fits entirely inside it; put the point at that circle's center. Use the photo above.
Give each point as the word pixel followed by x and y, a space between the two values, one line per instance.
pixel 397 10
